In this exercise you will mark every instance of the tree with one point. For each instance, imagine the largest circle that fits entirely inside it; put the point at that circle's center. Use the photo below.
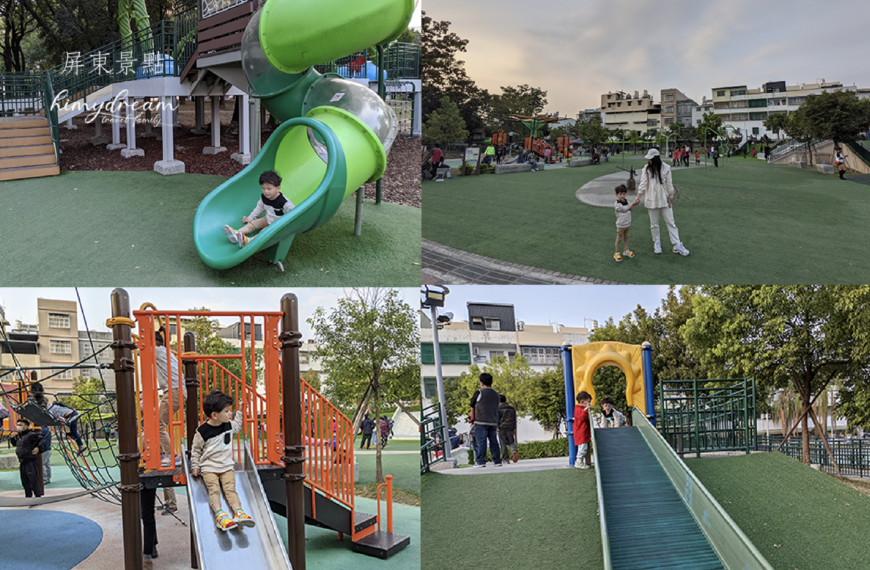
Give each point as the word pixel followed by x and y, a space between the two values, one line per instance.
pixel 710 121
pixel 89 398
pixel 368 344
pixel 633 139
pixel 545 396
pixel 444 125
pixel 522 100
pixel 312 377
pixel 444 75
pixel 798 127
pixel 775 122
pixel 836 115
pixel 18 24
pixel 803 336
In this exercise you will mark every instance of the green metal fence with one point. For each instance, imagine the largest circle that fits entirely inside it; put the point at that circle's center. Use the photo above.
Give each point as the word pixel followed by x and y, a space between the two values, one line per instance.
pixel 699 416
pixel 401 97
pixel 21 93
pixel 852 454
pixel 402 61
pixel 431 445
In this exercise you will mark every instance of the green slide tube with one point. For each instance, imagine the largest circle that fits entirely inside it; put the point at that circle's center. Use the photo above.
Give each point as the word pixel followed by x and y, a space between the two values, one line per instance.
pixel 324 30
pixel 317 187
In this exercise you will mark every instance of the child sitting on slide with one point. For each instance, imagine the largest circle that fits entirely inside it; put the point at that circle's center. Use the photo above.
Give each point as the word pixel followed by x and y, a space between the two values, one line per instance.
pixel 212 457
pixel 272 202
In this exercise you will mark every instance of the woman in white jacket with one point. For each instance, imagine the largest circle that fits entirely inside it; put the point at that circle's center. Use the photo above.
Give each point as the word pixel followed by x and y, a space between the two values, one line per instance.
pixel 657 190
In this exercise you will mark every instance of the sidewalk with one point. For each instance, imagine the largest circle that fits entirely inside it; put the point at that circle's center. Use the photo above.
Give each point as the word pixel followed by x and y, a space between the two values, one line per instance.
pixel 524 465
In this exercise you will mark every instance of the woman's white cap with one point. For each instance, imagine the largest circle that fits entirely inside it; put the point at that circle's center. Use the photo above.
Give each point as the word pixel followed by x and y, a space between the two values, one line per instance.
pixel 652 152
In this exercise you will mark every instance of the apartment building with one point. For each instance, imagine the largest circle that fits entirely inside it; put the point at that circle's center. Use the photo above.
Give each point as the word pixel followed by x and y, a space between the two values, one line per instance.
pixel 622 110
pixel 94 342
pixel 676 107
pixel 57 322
pixel 701 109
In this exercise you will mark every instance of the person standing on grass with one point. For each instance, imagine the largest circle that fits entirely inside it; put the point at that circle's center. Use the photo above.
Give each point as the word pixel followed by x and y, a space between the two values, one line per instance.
pixel 840 161
pixel 367 427
pixel 582 431
pixel 657 190
pixel 623 223
pixel 507 429
pixel 484 404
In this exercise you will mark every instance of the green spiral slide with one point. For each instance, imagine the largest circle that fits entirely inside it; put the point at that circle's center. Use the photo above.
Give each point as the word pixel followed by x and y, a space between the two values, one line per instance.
pixel 334 134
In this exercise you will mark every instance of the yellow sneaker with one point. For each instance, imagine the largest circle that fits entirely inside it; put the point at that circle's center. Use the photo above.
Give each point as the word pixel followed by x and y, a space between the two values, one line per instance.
pixel 224 522
pixel 243 519
pixel 617 257
pixel 628 253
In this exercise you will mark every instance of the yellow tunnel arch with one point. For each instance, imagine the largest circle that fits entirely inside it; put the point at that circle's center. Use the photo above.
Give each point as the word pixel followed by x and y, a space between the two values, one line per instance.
pixel 588 358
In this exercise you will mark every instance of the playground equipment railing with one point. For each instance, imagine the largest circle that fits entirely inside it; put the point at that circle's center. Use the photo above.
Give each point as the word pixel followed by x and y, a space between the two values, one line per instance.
pixel 851 454
pixel 431 428
pixel 51 115
pixel 701 415
pixel 20 94
pixel 602 518
pixel 733 547
pixel 402 61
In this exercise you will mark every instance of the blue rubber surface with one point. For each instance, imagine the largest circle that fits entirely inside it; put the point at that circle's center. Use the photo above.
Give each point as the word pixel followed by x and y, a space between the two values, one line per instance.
pixel 648 524
pixel 46 540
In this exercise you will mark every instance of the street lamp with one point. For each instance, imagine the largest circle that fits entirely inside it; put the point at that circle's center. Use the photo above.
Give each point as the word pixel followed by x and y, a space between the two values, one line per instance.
pixel 433 298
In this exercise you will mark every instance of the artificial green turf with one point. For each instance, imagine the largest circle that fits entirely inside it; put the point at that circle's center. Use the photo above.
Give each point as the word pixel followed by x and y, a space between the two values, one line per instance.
pixel 136 229
pixel 796 516
pixel 405 469
pixel 539 519
pixel 394 444
pixel 744 222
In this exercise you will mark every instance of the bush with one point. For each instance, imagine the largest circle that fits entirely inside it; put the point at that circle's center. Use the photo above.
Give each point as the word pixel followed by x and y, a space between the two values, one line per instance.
pixel 535 450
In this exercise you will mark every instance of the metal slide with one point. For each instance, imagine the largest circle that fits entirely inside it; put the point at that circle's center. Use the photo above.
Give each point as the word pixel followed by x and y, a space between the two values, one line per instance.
pixel 257 547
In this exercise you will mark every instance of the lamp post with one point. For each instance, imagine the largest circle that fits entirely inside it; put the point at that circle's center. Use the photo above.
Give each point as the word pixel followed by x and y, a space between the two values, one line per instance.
pixel 433 297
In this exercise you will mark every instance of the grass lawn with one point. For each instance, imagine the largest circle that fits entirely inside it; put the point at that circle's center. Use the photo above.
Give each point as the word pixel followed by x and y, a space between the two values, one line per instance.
pixel 540 519
pixel 393 444
pixel 92 229
pixel 744 222
pixel 796 516
pixel 404 468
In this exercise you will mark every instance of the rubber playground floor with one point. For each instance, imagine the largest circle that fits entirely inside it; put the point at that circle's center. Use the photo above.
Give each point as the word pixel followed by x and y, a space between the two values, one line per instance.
pixel 796 516
pixel 744 222
pixel 136 229
pixel 98 545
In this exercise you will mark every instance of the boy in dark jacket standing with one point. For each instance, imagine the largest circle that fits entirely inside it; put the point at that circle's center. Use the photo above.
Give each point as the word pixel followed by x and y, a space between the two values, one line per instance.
pixel 507 428
pixel 28 443
pixel 485 402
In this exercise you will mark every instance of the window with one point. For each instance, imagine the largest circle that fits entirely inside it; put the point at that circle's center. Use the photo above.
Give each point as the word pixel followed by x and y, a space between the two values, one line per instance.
pixel 493 325
pixel 669 97
pixel 738 92
pixel 58 321
pixel 698 122
pixel 451 353
pixel 757 116
pixel 619 104
pixel 608 96
pixel 669 120
pixel 477 321
pixel 629 103
pixel 541 355
pixel 720 93
pixel 493 354
pixel 754 130
pixel 430 387
pixel 60 346
pixel 758 102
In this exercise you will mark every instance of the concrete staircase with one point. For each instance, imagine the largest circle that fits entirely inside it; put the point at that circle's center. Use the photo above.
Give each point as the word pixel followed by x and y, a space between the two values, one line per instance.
pixel 26 149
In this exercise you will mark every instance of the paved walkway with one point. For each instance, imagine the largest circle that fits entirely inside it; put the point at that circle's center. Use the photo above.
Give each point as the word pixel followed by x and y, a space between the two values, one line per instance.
pixel 443 265
pixel 385 452
pixel 523 465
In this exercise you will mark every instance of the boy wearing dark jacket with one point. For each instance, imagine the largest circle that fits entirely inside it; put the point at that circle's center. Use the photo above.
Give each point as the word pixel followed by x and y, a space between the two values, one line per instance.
pixel 28 443
pixel 507 428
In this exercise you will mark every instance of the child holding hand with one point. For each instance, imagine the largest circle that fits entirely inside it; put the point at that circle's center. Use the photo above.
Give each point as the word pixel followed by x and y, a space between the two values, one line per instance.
pixel 211 456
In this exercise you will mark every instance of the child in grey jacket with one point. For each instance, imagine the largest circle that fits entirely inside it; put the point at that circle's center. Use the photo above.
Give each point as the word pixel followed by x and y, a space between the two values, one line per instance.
pixel 623 222
pixel 212 457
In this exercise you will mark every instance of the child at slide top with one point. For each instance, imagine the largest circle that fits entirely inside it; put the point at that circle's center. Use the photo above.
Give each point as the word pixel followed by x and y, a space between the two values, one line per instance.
pixel 212 457
pixel 582 432
pixel 272 202
pixel 623 222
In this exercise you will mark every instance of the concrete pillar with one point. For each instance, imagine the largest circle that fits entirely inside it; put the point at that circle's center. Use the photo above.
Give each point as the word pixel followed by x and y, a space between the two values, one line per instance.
pixel 98 137
pixel 148 124
pixel 70 126
pixel 175 122
pixel 116 127
pixel 131 149
pixel 215 129
pixel 199 114
pixel 244 154
pixel 168 165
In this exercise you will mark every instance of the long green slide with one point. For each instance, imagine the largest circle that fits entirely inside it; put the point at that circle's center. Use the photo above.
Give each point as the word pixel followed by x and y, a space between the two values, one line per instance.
pixel 655 513
pixel 335 133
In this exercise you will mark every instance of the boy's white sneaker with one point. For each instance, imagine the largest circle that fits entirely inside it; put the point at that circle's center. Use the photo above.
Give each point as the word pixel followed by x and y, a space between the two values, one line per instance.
pixel 681 249
pixel 657 247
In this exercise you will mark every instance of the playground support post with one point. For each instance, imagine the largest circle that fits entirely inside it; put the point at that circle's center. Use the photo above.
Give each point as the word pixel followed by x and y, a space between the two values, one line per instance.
pixel 646 356
pixel 568 373
pixel 128 446
pixel 191 382
pixel 382 92
pixel 746 415
pixel 445 428
pixel 294 451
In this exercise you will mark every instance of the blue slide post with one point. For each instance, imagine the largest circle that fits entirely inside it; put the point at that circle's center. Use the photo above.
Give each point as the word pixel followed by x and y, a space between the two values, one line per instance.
pixel 568 372
pixel 648 383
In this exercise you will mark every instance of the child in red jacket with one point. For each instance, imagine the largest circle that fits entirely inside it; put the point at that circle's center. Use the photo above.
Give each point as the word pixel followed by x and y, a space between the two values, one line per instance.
pixel 582 433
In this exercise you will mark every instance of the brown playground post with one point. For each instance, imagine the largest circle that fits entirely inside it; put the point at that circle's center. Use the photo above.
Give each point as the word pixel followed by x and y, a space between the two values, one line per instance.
pixel 294 451
pixel 40 481
pixel 191 381
pixel 128 446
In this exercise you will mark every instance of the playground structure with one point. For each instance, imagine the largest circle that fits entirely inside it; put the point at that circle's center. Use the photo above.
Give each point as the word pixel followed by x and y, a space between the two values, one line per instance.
pixel 532 142
pixel 298 464
pixel 647 496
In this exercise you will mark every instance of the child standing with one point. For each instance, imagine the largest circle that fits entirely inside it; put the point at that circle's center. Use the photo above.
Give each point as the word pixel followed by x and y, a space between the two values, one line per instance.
pixel 623 222
pixel 28 443
pixel 582 432
pixel 697 159
pixel 212 457
pixel 272 202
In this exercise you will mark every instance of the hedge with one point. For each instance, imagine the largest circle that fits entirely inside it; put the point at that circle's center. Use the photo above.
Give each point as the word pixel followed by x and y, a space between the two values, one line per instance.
pixel 534 450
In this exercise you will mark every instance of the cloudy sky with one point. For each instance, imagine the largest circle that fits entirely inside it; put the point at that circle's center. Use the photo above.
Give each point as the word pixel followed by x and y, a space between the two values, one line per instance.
pixel 577 50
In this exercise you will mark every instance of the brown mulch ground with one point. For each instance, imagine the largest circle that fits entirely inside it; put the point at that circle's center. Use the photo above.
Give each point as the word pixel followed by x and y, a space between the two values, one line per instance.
pixel 400 184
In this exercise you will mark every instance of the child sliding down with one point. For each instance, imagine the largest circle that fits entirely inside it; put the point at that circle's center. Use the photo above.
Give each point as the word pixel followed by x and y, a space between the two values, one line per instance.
pixel 212 457
pixel 272 202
